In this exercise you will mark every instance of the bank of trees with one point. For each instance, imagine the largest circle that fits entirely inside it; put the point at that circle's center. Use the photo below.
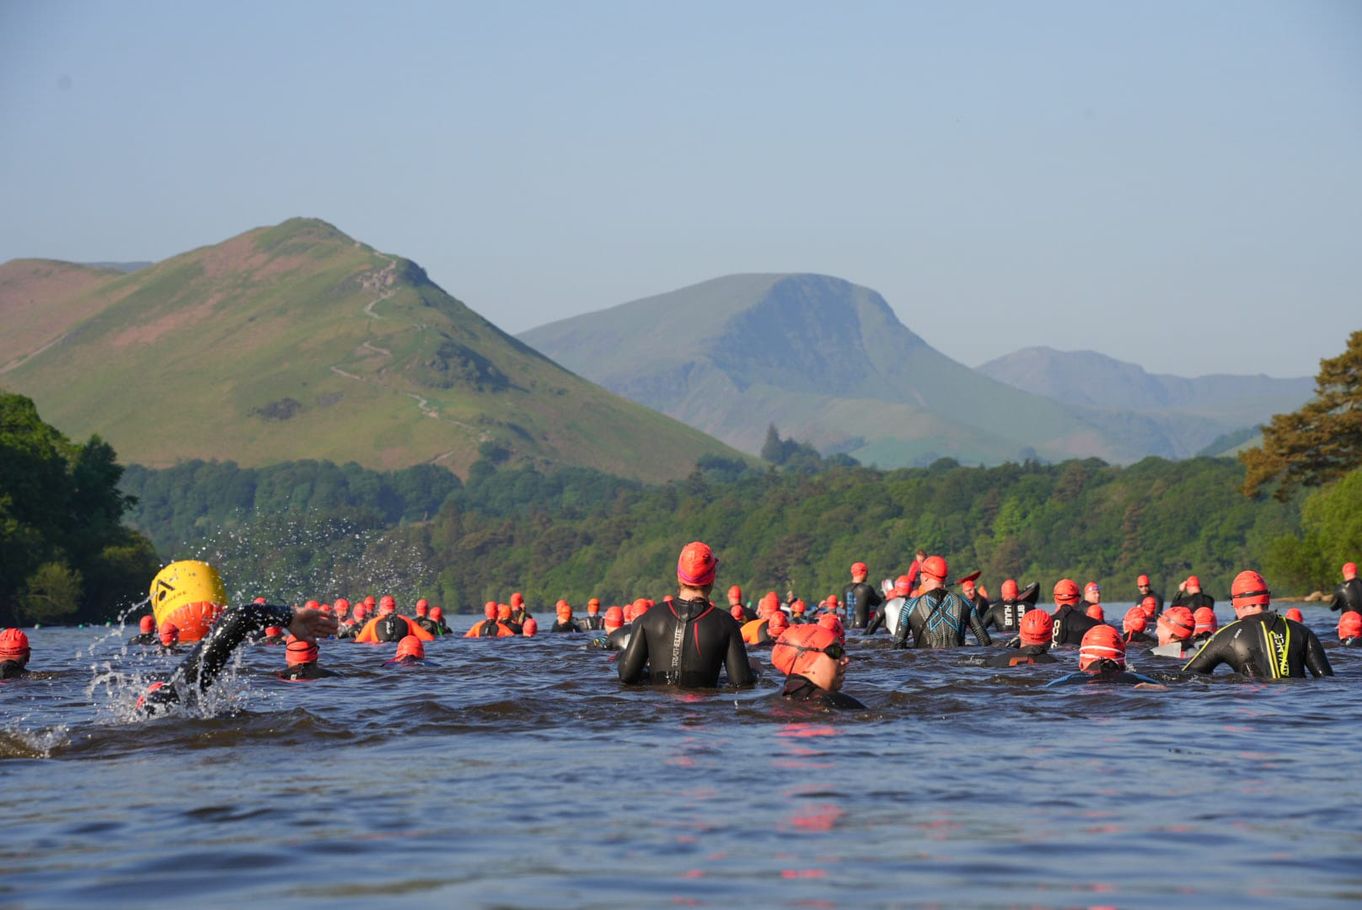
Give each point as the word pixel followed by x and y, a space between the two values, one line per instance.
pixel 65 554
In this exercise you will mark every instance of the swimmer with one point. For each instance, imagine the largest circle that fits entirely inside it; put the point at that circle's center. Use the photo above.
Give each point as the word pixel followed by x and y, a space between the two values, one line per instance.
pixel 437 616
pixel 1294 613
pixel 765 631
pixel 518 612
pixel 1259 643
pixel 14 654
pixel 1006 615
pixel 1102 659
pixel 1191 596
pixel 497 624
pixel 686 643
pixel 797 610
pixel 861 599
pixel 972 595
pixel 1151 607
pixel 1092 594
pixel 300 659
pixel 423 618
pixel 170 636
pixel 1070 624
pixel 349 628
pixel 735 601
pixel 198 671
pixel 1096 612
pixel 530 628
pixel 937 618
pixel 409 651
pixel 565 622
pixel 146 632
pixel 1133 626
pixel 275 635
pixel 1206 624
pixel 1348 597
pixel 833 623
pixel 1175 628
pixel 1350 630
pixel 1035 630
pixel 593 621
pixel 814 664
pixel 389 625
pixel 616 637
pixel 1142 585
pixel 890 612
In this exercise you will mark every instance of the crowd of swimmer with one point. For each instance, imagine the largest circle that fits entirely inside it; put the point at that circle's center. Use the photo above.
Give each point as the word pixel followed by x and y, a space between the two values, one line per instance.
pixel 687 641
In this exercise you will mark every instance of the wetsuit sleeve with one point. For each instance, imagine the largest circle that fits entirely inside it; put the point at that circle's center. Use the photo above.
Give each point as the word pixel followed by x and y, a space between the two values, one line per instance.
pixel 735 661
pixel 901 637
pixel 874 598
pixel 1316 661
pixel 980 633
pixel 203 665
pixel 1339 598
pixel 635 656
pixel 1211 655
pixel 876 618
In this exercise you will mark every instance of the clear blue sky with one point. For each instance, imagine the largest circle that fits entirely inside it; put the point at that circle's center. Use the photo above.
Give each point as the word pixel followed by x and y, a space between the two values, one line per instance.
pixel 1173 183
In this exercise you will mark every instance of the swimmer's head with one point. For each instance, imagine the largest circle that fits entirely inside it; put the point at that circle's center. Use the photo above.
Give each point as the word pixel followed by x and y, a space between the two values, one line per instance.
pixel 410 647
pixel 1192 585
pixel 260 600
pixel 812 652
pixel 1149 606
pixel 361 611
pixel 734 595
pixel 778 623
pixel 387 604
pixel 423 607
pixel 1249 593
pixel 517 599
pixel 1100 644
pixel 1009 590
pixel 1096 612
pixel 489 610
pixel 1092 592
pixel 503 612
pixel 1066 592
pixel 1349 571
pixel 614 618
pixel 1295 613
pixel 146 625
pixel 273 631
pixel 312 605
pixel 531 627
pixel 935 567
pixel 437 613
pixel 1134 621
pixel 1349 626
pixel 593 606
pixel 736 611
pixel 14 647
pixel 299 652
pixel 342 607
pixel 564 610
pixel 697 565
pixel 1175 624
pixel 1036 627
pixel 370 601
pixel 903 586
pixel 834 625
pixel 1142 582
pixel 170 633
pixel 859 571
pixel 1205 620
pixel 798 608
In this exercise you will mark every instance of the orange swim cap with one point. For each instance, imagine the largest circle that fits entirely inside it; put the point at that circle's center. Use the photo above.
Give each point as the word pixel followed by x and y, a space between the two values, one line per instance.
pixel 341 606
pixel 903 586
pixel 564 610
pixel 422 607
pixel 146 625
pixel 298 652
pixel 170 633
pixel 1349 570
pixel 737 613
pixel 1249 590
pixel 503 611
pixel 859 568
pixel 1142 581
pixel 1095 612
pixel 834 625
pixel 410 646
pixel 798 607
pixel 387 604
pixel 1092 590
pixel 273 631
pixel 1066 591
pixel 593 606
pixel 936 567
pixel 1295 614
pixel 798 648
pixel 778 623
pixel 1009 590
pixel 312 605
pixel 489 609
pixel 614 617
pixel 531 627
pixel 1192 582
pixel 437 613
pixel 734 593
pixel 1036 627
pixel 1205 620
pixel 1099 644
pixel 1149 606
pixel 1176 624
pixel 1134 621
pixel 697 565
pixel 14 646
pixel 1349 625
pixel 517 599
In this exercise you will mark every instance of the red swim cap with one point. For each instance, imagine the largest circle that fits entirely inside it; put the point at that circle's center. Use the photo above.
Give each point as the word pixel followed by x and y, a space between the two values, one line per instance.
pixel 387 604
pixel 1066 591
pixel 859 568
pixel 341 606
pixel 696 565
pixel 614 618
pixel 1249 590
pixel 298 652
pixel 1149 606
pixel 1101 643
pixel 593 606
pixel 1295 614
pixel 1095 612
pixel 734 593
pixel 1205 620
pixel 1009 589
pixel 410 646
pixel 1134 621
pixel 833 625
pixel 170 633
pixel 437 613
pixel 794 651
pixel 778 623
pixel 517 599
pixel 1349 570
pixel 312 605
pixel 936 567
pixel 631 613
pixel 1349 625
pixel 564 610
pixel 903 586
pixel 146 624
pixel 422 607
pixel 798 607
pixel 489 609
pixel 258 600
pixel 369 601
pixel 361 611
pixel 1177 624
pixel 1036 627
pixel 1192 582
pixel 14 646
pixel 967 584
pixel 1142 581
pixel 530 628
pixel 737 613
pixel 503 611
pixel 273 631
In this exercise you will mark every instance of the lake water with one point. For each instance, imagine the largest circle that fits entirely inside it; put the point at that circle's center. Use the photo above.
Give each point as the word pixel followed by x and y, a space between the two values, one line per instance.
pixel 519 773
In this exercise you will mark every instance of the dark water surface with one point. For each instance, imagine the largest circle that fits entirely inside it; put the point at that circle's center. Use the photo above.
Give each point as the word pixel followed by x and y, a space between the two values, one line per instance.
pixel 519 773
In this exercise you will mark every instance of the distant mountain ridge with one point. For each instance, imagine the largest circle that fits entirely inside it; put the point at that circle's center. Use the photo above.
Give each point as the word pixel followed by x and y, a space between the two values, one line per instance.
pixel 296 341
pixel 830 363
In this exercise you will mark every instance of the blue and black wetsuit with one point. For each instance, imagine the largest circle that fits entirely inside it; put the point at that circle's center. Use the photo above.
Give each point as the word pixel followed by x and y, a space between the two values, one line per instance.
pixel 1106 672
pixel 861 600
pixel 938 619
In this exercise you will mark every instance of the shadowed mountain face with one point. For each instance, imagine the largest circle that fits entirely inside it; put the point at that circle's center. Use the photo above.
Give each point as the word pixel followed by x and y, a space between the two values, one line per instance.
pixel 296 342
pixel 829 362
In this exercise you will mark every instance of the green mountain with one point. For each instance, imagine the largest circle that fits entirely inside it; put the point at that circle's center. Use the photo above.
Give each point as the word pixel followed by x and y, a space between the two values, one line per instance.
pixel 829 363
pixel 296 342
pixel 1193 412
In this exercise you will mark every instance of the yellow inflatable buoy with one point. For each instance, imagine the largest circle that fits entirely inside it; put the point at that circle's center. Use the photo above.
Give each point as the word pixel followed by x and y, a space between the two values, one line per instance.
pixel 189 594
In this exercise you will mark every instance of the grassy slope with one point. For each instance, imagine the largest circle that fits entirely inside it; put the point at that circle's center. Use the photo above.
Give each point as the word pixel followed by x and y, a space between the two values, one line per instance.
pixel 181 359
pixel 40 300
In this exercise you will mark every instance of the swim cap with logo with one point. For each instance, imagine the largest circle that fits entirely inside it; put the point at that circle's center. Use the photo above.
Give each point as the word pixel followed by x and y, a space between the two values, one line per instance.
pixel 1134 621
pixel 1099 644
pixel 799 647
pixel 697 565
pixel 1036 627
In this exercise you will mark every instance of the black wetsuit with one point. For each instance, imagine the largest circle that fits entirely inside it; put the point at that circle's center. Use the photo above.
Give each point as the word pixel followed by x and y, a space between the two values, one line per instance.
pixel 197 672
pixel 1071 625
pixel 148 638
pixel 428 624
pixel 1005 615
pixel 684 644
pixel 1265 646
pixel 938 619
pixel 519 615
pixel 12 669
pixel 1132 638
pixel 348 630
pixel 1195 601
pixel 800 689
pixel 1023 656
pixel 980 603
pixel 615 640
pixel 305 671
pixel 591 623
pixel 392 628
pixel 861 600
pixel 1348 597
pixel 1107 671
pixel 566 625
